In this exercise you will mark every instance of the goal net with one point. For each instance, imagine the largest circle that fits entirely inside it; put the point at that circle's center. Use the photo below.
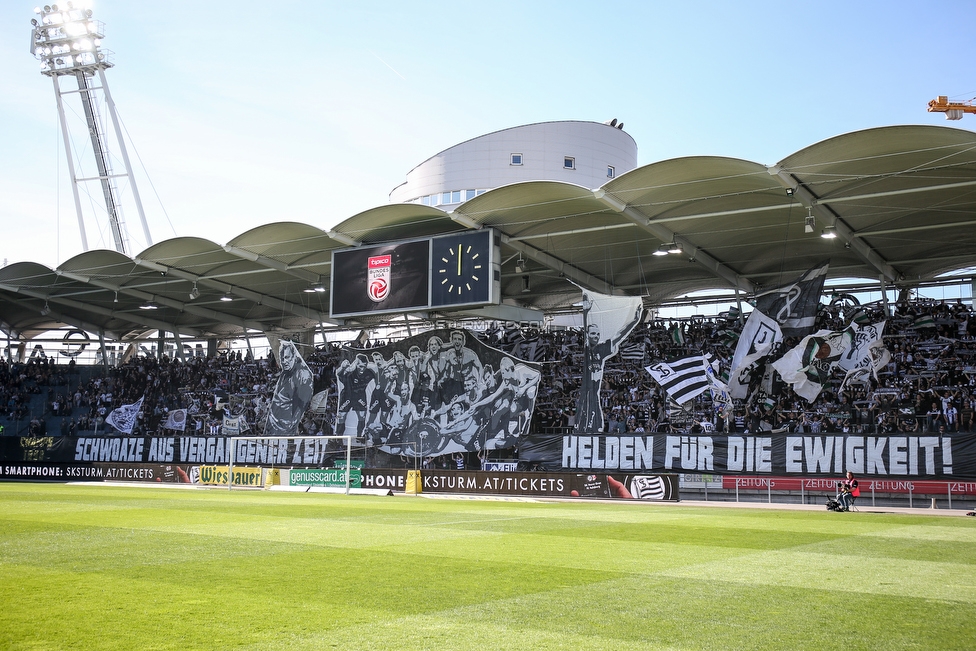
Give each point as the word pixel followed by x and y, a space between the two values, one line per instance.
pixel 271 452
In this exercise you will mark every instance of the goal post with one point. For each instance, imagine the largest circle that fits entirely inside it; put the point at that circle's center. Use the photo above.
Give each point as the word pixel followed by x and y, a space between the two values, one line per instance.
pixel 348 438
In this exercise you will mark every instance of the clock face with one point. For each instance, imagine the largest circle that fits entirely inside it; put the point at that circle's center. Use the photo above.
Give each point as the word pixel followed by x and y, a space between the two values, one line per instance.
pixel 461 270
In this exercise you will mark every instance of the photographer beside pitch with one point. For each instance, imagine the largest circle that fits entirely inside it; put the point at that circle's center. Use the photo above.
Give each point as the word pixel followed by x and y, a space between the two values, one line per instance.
pixel 847 491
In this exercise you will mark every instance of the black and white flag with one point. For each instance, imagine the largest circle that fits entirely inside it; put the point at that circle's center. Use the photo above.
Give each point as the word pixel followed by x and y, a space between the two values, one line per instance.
pixel 794 306
pixel 686 378
pixel 867 354
pixel 176 419
pixel 124 418
pixel 759 335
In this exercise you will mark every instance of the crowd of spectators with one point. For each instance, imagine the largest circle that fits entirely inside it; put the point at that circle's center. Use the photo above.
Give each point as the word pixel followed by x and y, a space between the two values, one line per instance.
pixel 928 386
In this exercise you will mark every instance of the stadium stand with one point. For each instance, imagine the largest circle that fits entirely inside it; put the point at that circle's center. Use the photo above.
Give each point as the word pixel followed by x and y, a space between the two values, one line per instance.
pixel 929 384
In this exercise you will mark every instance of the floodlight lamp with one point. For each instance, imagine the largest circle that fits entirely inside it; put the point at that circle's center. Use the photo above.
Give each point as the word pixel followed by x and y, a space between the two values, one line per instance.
pixel 808 222
pixel 315 287
pixel 828 233
pixel 194 293
pixel 45 310
pixel 674 247
pixel 227 297
pixel 148 305
pixel 789 192
pixel 519 265
pixel 662 250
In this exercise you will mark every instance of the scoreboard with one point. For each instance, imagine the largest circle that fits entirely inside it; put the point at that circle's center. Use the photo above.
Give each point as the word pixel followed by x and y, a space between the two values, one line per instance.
pixel 449 271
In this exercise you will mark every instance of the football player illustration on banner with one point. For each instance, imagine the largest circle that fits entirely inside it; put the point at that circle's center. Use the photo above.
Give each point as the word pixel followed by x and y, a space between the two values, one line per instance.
pixel 437 393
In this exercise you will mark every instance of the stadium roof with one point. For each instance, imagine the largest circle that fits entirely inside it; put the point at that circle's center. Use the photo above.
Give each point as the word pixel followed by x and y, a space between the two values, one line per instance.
pixel 901 199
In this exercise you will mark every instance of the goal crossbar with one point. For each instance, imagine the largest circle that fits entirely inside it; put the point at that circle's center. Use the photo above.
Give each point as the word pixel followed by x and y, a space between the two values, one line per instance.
pixel 348 438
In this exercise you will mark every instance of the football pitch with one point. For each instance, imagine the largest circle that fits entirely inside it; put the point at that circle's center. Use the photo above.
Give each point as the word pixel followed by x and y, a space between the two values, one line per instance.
pixel 117 567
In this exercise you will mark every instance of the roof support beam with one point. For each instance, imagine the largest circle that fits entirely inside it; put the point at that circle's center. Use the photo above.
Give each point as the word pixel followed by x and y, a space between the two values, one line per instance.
pixel 575 274
pixel 161 300
pixel 831 218
pixel 124 316
pixel 664 234
pixel 909 229
pixel 464 220
pixel 277 265
pixel 894 193
pixel 342 238
pixel 261 299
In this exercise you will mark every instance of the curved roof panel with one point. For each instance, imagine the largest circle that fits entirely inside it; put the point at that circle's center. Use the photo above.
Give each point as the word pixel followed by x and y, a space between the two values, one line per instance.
pixel 901 199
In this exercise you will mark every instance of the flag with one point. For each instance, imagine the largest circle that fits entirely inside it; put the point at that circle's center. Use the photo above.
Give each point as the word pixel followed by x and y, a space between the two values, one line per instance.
pixel 794 306
pixel 176 419
pixel 924 321
pixel 677 334
pixel 685 378
pixel 867 354
pixel 721 398
pixel 861 317
pixel 807 367
pixel 759 334
pixel 234 425
pixel 633 352
pixel 124 417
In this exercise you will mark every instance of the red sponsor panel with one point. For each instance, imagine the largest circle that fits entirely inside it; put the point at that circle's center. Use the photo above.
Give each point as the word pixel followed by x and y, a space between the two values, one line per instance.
pixel 829 484
pixel 762 483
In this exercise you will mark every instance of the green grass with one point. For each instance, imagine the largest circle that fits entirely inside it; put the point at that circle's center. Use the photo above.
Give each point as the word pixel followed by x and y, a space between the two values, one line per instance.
pixel 113 567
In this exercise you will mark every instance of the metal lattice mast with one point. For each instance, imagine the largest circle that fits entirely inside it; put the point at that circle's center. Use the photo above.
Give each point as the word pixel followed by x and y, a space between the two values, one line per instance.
pixel 67 42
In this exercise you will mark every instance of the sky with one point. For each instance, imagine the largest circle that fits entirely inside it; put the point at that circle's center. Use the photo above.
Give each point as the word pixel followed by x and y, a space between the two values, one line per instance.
pixel 244 113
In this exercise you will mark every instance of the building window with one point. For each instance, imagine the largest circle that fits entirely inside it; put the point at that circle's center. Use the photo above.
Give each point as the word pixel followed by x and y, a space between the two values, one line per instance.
pixel 569 163
pixel 456 196
pixel 468 195
pixel 445 198
pixel 610 171
pixel 516 159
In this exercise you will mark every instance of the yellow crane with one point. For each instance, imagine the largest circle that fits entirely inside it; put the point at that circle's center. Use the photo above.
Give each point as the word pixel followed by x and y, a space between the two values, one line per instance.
pixel 953 110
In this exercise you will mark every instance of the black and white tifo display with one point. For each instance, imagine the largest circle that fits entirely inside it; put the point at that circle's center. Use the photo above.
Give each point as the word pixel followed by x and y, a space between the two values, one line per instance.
pixel 436 393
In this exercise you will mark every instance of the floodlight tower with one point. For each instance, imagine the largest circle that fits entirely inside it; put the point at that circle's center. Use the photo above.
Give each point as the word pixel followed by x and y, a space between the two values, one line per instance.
pixel 68 42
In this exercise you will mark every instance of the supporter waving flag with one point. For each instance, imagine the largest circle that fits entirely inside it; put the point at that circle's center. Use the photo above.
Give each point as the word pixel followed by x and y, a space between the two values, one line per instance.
pixel 686 378
pixel 759 335
pixel 867 354
pixel 794 306
pixel 124 418
pixel 176 419
pixel 787 311
pixel 808 366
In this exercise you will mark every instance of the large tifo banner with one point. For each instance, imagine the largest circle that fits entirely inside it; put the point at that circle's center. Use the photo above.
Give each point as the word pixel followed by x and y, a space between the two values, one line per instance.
pixel 898 457
pixel 437 393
